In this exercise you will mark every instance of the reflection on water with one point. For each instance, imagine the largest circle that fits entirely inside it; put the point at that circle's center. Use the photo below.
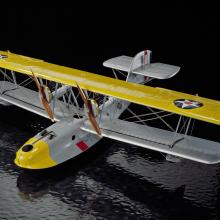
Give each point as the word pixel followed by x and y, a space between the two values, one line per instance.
pixel 111 181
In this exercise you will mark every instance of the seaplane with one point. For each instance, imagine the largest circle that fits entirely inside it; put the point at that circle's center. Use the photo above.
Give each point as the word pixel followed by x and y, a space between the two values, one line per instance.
pixel 85 107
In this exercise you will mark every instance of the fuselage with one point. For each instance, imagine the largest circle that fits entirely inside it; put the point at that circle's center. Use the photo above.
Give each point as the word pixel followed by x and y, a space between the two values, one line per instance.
pixel 65 139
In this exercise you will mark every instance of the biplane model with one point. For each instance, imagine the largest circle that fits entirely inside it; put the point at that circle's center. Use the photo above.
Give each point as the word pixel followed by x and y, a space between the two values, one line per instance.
pixel 85 107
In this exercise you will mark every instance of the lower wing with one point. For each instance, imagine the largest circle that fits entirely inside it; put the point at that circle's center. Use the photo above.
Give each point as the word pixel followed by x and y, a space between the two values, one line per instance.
pixel 189 147
pixel 29 99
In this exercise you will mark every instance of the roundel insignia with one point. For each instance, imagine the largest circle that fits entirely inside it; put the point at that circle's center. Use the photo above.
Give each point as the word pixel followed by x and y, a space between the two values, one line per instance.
pixel 3 56
pixel 187 104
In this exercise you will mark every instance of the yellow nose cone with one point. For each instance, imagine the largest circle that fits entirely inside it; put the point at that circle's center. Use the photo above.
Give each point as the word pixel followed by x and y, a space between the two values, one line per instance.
pixel 34 155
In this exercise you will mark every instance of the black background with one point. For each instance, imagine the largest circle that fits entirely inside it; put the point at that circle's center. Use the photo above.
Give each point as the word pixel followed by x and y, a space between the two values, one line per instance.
pixel 83 36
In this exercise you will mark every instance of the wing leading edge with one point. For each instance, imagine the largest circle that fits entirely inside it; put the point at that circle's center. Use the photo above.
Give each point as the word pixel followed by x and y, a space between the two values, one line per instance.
pixel 180 103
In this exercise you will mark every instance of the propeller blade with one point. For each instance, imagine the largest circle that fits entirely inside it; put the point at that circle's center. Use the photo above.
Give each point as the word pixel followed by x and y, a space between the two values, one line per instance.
pixel 94 124
pixel 83 96
pixel 47 107
pixel 36 81
pixel 88 105
pixel 43 98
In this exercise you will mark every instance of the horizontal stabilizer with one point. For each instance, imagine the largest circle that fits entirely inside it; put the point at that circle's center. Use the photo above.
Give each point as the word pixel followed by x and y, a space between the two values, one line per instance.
pixel 122 63
pixel 157 70
pixel 153 70
pixel 164 141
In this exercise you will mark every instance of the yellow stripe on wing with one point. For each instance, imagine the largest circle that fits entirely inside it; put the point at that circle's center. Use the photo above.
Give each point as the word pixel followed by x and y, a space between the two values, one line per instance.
pixel 153 97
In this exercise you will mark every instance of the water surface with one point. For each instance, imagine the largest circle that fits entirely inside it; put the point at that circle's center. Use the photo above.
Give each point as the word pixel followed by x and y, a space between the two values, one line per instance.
pixel 111 181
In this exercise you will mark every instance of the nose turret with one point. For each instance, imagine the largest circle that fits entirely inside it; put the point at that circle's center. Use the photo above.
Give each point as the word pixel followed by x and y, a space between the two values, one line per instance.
pixel 27 148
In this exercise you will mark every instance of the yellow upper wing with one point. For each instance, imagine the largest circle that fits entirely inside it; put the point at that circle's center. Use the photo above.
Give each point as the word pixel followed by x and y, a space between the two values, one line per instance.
pixel 153 97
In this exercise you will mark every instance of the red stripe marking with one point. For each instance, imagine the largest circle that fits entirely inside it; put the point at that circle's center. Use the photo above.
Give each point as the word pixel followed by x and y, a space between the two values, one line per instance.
pixel 82 146
pixel 145 54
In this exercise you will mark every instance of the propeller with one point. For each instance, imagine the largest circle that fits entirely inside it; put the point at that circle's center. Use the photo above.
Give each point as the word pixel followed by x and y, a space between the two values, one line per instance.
pixel 91 116
pixel 43 98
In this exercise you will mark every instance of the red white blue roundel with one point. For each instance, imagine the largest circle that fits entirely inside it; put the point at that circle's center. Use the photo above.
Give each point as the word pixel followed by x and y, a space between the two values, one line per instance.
pixel 3 56
pixel 187 103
